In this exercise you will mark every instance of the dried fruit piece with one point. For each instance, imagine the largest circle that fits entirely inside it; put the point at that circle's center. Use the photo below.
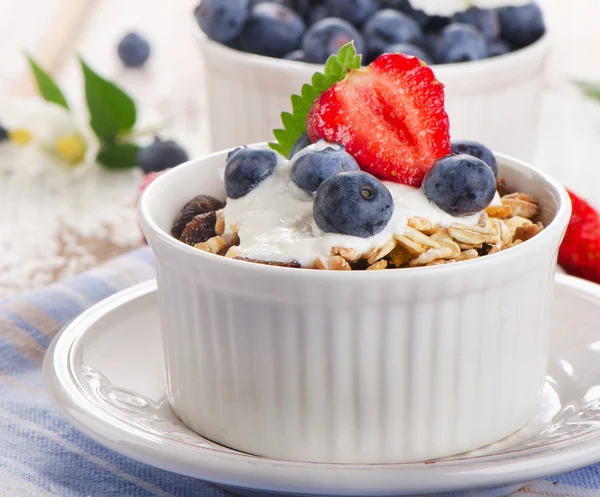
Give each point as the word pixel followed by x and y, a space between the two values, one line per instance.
pixel 200 229
pixel 382 264
pixel 400 256
pixel 349 254
pixel 293 264
pixel 502 187
pixel 523 205
pixel 198 205
pixel 525 233
pixel 499 211
pixel 332 263
pixel 470 234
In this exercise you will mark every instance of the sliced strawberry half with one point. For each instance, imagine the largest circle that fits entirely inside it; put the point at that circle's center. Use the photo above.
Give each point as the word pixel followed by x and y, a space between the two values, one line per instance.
pixel 389 116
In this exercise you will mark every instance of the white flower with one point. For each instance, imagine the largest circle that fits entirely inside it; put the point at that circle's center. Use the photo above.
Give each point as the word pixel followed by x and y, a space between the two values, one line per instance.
pixel 450 7
pixel 56 137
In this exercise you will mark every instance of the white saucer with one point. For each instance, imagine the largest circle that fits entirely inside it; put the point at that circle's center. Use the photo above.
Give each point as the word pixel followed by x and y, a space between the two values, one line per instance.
pixel 104 372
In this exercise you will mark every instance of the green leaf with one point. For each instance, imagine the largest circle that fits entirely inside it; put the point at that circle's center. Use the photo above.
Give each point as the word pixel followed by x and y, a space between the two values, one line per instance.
pixel 111 110
pixel 294 124
pixel 47 87
pixel 118 155
pixel 591 90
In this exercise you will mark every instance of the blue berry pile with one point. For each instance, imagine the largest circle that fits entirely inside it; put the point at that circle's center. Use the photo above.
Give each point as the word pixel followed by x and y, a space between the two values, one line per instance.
pixel 311 30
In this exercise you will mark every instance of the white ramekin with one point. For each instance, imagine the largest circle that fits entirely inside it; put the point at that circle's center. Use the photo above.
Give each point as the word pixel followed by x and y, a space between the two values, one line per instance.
pixel 495 101
pixel 365 367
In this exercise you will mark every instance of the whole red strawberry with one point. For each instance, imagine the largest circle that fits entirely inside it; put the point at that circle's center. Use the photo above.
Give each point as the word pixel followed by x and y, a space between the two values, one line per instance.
pixel 579 254
pixel 389 116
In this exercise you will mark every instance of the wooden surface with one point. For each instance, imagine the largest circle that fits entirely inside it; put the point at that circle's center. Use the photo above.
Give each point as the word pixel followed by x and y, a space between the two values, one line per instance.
pixel 58 226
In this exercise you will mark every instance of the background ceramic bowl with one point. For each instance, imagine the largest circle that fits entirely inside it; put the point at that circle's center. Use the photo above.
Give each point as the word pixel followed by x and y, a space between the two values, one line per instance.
pixel 365 367
pixel 495 101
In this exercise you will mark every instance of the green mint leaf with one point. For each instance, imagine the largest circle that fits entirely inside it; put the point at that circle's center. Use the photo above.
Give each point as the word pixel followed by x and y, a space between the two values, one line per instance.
pixel 118 155
pixel 111 110
pixel 294 124
pixel 47 87
pixel 591 90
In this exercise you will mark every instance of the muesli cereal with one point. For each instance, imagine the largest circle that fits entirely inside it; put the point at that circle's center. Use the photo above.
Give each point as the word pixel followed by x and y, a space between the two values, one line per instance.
pixel 421 243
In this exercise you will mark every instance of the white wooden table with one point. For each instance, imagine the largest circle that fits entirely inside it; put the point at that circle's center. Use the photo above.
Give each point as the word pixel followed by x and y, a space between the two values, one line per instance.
pixel 47 233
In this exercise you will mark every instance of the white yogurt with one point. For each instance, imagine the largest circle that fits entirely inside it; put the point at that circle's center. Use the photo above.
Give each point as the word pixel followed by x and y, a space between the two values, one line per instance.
pixel 451 7
pixel 275 221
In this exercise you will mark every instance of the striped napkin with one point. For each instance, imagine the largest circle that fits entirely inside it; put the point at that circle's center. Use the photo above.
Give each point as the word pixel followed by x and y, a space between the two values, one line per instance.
pixel 42 455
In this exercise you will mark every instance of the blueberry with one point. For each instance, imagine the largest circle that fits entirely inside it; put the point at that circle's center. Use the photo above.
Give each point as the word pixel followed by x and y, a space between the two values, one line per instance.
pixel 301 143
pixel 476 149
pixel 389 27
pixel 272 30
pixel 354 11
pixel 409 49
pixel 401 5
pixel 3 134
pixel 485 20
pixel 161 155
pixel 297 55
pixel 246 169
pixel 460 185
pixel 319 162
pixel 353 203
pixel 431 41
pixel 326 37
pixel 221 21
pixel 301 7
pixel 498 48
pixel 460 43
pixel 317 13
pixel 522 26
pixel 133 50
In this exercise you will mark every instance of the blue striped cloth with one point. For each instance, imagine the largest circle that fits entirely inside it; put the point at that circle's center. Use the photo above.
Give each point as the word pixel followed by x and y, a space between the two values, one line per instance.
pixel 42 455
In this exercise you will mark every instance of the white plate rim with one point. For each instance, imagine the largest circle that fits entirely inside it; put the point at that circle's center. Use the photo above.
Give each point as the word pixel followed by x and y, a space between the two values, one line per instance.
pixel 246 471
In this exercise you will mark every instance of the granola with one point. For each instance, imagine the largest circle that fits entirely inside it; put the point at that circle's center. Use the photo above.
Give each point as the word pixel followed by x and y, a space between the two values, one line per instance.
pixel 421 243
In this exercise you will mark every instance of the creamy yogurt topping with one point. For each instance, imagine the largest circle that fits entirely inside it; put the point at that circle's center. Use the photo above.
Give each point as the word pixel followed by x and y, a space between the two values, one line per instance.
pixel 451 7
pixel 275 220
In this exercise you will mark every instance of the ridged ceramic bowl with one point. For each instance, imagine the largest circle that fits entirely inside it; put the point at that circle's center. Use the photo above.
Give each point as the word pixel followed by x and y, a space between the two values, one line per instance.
pixel 365 366
pixel 495 101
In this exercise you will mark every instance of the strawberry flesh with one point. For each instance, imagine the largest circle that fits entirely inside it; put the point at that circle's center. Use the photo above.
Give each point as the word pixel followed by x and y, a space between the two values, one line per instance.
pixel 579 254
pixel 389 116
